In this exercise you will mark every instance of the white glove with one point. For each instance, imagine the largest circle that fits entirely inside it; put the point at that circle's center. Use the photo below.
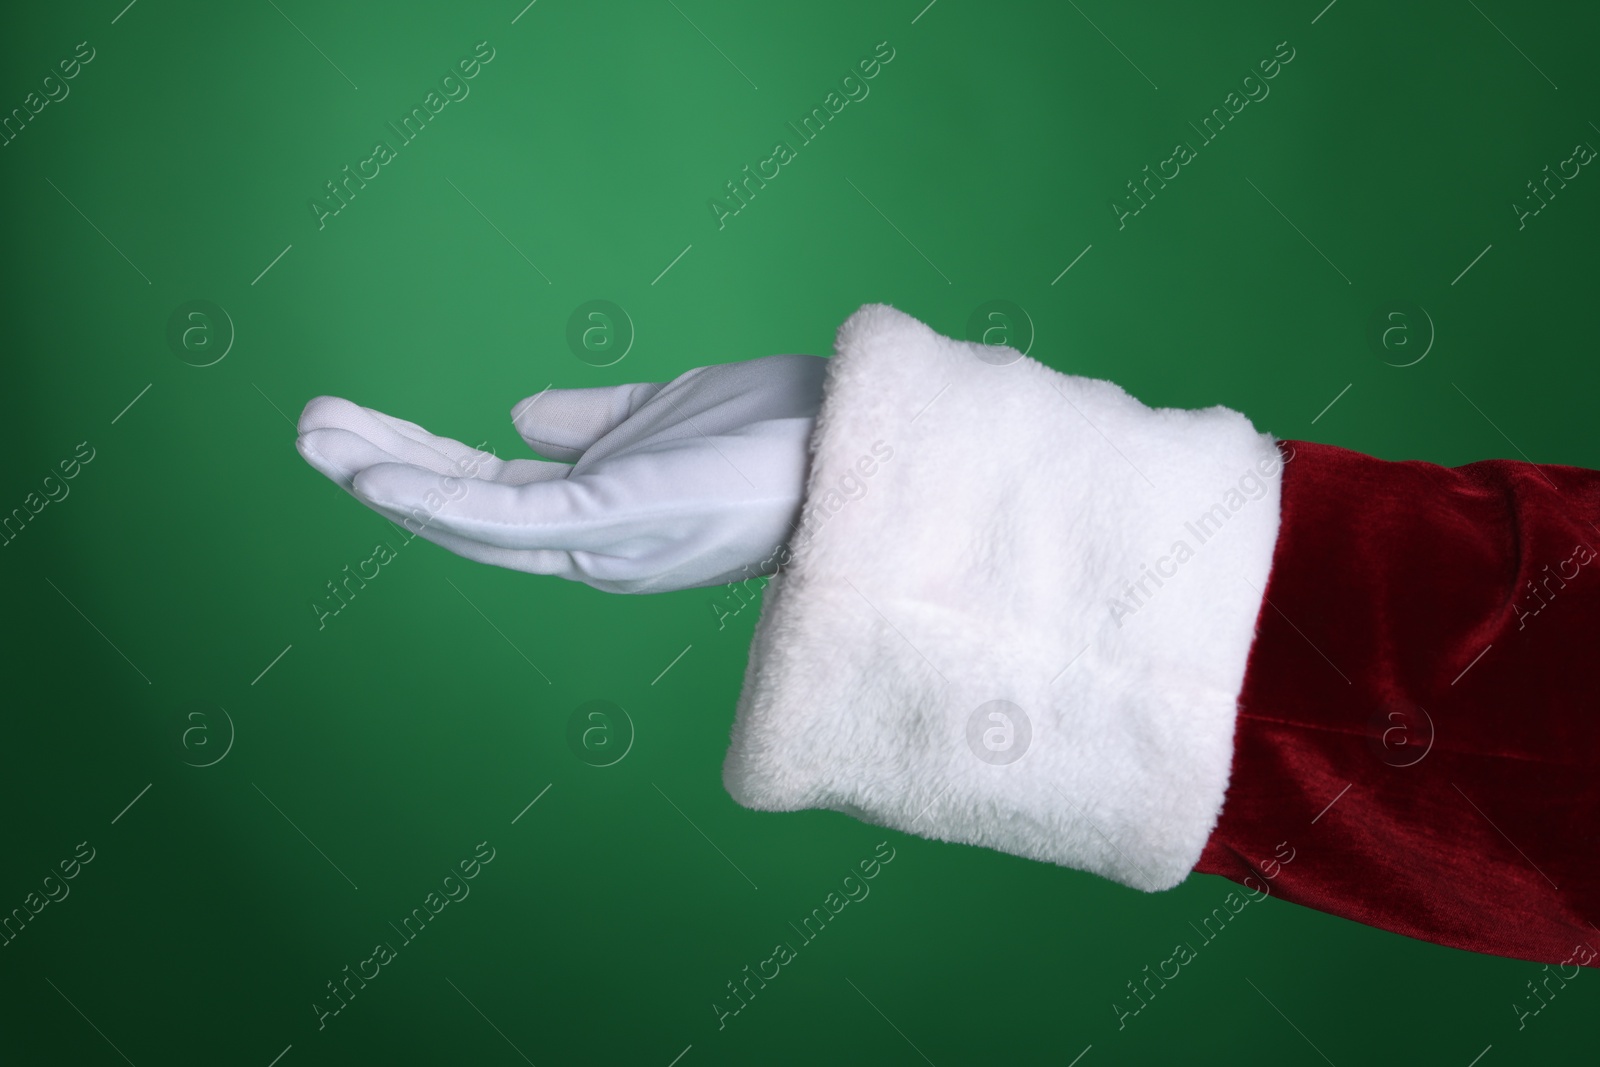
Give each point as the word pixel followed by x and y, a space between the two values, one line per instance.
pixel 674 485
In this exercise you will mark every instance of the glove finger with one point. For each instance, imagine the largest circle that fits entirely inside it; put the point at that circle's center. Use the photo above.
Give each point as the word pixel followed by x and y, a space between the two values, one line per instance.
pixel 336 413
pixel 464 456
pixel 563 423
pixel 340 454
pixel 556 513
pixel 611 574
pixel 396 440
pixel 528 561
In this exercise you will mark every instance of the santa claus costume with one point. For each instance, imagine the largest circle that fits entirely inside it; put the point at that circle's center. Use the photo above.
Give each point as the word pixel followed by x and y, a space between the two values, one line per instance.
pixel 1145 642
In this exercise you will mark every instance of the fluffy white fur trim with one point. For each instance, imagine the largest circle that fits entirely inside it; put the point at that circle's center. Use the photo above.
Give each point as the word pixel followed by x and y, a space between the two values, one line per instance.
pixel 985 561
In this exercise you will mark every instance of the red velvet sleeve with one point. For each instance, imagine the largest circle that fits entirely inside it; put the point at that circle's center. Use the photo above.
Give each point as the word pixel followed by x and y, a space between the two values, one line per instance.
pixel 1418 740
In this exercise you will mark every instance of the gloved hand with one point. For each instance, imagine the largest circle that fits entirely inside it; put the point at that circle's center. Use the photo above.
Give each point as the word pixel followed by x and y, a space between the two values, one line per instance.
pixel 672 486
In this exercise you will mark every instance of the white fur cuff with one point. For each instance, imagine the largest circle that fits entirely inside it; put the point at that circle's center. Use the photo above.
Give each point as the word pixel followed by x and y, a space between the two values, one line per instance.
pixel 1018 609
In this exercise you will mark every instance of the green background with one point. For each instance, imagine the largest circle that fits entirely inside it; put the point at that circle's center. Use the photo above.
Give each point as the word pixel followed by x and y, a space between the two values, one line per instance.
pixel 379 750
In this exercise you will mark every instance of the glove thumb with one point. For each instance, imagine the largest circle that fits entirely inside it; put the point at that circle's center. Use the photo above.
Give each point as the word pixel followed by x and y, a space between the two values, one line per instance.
pixel 563 423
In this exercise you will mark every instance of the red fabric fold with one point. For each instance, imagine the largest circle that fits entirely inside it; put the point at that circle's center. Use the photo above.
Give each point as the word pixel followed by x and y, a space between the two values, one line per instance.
pixel 1419 721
